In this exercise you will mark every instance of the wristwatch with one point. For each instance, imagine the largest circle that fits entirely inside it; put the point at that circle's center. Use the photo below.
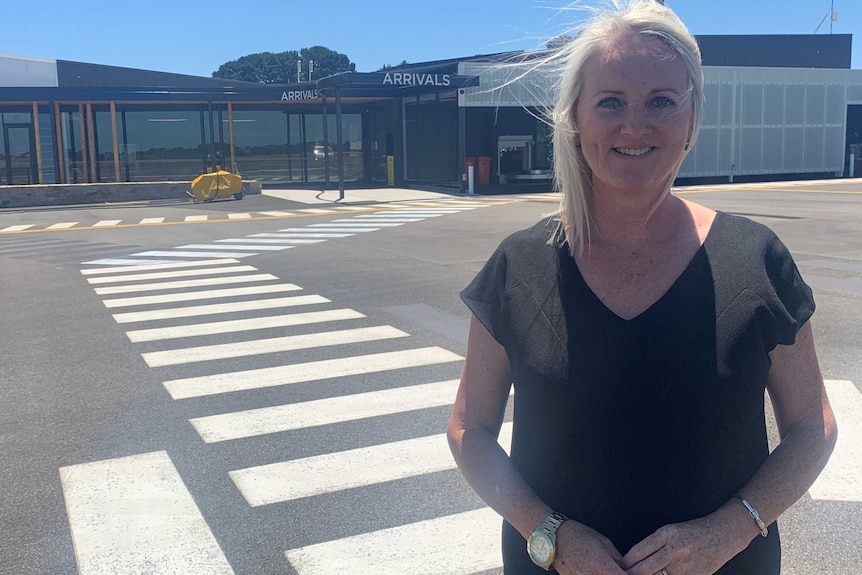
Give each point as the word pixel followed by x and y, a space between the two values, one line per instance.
pixel 541 546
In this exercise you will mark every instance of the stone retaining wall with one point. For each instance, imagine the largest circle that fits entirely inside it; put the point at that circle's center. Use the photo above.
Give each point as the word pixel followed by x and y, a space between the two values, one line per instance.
pixel 69 194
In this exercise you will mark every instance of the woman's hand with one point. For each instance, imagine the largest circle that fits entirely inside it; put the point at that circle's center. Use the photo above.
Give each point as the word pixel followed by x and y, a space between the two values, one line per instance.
pixel 697 547
pixel 584 551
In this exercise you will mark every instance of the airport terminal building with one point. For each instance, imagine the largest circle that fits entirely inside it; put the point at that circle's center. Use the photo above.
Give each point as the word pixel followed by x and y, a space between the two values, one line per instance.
pixel 777 106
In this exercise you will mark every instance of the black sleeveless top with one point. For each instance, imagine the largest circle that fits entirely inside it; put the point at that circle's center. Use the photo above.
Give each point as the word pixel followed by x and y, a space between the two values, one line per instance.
pixel 628 425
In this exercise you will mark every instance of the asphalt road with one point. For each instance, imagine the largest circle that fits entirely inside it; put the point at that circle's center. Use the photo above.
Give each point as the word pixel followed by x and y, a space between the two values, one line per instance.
pixel 112 451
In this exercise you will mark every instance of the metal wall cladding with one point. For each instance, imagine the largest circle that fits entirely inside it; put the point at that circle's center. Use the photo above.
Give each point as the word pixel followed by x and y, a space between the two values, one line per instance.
pixel 777 50
pixel 72 74
pixel 755 120
pixel 526 84
pixel 19 71
pixel 772 120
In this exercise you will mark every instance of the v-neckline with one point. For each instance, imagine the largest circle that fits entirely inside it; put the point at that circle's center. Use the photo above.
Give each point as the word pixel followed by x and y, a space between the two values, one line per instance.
pixel 701 250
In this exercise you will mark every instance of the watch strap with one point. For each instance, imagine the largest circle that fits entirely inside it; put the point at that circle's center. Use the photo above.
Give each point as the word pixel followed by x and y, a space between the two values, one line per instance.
pixel 552 522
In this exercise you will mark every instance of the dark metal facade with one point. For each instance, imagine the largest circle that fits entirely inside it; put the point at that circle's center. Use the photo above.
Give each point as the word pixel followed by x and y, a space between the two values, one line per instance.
pixel 778 50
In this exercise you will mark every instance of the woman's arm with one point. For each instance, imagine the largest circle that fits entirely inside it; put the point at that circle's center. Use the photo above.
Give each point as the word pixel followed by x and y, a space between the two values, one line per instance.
pixel 473 428
pixel 808 433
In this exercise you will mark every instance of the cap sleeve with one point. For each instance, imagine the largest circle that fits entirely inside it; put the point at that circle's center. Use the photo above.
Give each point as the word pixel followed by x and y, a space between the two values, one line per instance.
pixel 789 298
pixel 484 295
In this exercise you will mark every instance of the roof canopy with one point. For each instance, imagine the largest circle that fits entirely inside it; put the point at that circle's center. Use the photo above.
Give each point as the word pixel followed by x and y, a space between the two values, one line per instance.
pixel 392 84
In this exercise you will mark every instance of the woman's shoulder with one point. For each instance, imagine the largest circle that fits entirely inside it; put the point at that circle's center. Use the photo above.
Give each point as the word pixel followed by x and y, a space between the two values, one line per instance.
pixel 743 234
pixel 530 238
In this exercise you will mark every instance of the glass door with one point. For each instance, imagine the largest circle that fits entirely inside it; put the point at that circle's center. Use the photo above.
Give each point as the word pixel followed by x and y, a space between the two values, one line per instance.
pixel 18 161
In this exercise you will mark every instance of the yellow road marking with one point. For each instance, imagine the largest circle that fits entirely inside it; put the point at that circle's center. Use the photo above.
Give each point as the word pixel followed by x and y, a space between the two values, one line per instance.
pixel 765 189
pixel 223 221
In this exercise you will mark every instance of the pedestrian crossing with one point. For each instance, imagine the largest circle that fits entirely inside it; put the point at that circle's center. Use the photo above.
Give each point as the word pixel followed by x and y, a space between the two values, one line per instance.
pixel 65 249
pixel 136 514
pixel 174 218
pixel 288 238
pixel 344 345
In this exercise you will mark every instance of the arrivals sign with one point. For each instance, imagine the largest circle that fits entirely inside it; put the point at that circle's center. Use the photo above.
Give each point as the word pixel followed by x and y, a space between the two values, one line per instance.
pixel 391 83
pixel 297 95
pixel 412 79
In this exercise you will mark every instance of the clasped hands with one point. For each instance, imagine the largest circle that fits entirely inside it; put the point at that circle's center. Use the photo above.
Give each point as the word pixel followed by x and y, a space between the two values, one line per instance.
pixel 694 547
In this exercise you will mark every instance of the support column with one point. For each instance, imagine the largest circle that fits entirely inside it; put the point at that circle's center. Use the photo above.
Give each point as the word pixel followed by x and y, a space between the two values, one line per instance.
pixel 230 137
pixel 326 146
pixel 340 139
pixel 38 136
pixel 462 146
pixel 115 142
pixel 58 138
pixel 85 171
pixel 91 135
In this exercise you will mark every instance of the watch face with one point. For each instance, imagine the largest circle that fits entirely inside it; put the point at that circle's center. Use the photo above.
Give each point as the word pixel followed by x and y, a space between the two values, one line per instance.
pixel 540 548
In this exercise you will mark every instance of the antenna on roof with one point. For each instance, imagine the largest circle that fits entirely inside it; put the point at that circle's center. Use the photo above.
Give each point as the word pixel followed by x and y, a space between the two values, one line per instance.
pixel 832 15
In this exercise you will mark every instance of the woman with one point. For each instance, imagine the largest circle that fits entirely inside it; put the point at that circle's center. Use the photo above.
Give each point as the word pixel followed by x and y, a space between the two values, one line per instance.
pixel 640 335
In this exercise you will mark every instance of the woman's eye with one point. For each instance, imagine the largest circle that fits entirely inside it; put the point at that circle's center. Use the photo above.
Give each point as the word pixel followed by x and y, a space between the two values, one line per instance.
pixel 662 103
pixel 610 104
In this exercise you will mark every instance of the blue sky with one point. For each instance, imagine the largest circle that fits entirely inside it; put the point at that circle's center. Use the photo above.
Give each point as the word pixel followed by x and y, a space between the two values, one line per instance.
pixel 196 37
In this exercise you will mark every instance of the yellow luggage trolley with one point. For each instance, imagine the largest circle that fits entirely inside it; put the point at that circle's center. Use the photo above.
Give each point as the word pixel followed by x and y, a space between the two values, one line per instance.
pixel 219 185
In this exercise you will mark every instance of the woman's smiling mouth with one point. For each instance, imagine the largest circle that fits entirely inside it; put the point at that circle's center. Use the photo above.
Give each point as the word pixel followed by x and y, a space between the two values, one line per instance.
pixel 633 151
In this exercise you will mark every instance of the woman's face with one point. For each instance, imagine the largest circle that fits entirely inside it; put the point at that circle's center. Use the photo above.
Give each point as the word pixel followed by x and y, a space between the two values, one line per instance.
pixel 632 117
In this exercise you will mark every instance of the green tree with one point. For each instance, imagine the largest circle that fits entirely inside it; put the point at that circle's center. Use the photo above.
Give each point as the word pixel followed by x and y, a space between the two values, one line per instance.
pixel 390 66
pixel 280 67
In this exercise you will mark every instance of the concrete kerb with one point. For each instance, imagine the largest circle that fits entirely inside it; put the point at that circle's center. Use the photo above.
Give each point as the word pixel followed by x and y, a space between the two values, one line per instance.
pixel 101 193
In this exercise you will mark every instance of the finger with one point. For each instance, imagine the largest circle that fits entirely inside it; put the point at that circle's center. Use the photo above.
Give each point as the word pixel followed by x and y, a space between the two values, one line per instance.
pixel 646 548
pixel 652 565
pixel 613 552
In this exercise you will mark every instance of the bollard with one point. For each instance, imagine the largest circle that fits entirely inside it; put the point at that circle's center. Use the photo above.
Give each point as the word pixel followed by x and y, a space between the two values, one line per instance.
pixel 470 180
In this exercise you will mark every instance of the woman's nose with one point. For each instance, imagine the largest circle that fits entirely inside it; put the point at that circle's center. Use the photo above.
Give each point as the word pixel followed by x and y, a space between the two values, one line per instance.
pixel 636 121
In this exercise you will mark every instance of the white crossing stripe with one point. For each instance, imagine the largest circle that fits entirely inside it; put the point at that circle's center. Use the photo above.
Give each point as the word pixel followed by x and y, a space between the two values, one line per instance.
pixel 452 545
pixel 316 211
pixel 196 295
pixel 331 228
pixel 254 422
pixel 298 478
pixel 242 216
pixel 308 234
pixel 160 254
pixel 286 241
pixel 135 515
pixel 251 240
pixel 185 284
pixel 62 226
pixel 403 220
pixel 841 480
pixel 421 203
pixel 237 325
pixel 354 223
pixel 231 247
pixel 302 372
pixel 404 214
pixel 431 213
pixel 162 266
pixel 173 274
pixel 271 345
pixel 18 228
pixel 106 223
pixel 122 262
pixel 196 218
pixel 218 308
pixel 277 214
pixel 152 220
pixel 354 208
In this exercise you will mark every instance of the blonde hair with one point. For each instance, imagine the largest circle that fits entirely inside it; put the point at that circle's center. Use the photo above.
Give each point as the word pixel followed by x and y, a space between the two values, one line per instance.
pixel 572 177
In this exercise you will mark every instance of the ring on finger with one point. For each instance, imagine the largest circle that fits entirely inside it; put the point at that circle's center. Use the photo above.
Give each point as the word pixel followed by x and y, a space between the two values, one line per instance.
pixel 664 572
